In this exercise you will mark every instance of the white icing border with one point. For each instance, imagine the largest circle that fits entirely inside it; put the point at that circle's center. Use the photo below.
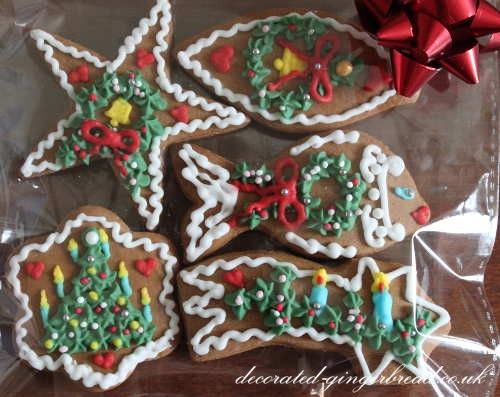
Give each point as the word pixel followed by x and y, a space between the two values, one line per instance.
pixel 197 306
pixel 84 372
pixel 212 192
pixel 184 58
pixel 226 115
pixel 375 163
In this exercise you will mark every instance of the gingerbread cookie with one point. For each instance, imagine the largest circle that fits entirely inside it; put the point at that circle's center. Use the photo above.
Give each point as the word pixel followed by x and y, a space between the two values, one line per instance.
pixel 371 312
pixel 96 299
pixel 126 110
pixel 293 70
pixel 335 195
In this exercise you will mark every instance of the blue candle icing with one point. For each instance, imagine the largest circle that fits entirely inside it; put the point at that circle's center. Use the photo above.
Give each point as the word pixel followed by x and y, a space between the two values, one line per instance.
pixel 382 310
pixel 319 295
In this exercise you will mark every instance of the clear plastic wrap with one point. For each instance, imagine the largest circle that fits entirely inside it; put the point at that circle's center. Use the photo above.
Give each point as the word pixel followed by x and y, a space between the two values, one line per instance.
pixel 448 139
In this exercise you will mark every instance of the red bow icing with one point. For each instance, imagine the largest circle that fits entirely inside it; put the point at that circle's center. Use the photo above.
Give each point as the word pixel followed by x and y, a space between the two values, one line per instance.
pixel 283 192
pixel 122 143
pixel 317 67
pixel 427 35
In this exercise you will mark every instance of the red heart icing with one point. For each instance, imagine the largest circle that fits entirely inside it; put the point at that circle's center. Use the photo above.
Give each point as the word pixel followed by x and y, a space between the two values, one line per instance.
pixel 146 267
pixel 180 114
pixel 144 58
pixel 104 360
pixel 422 215
pixel 221 58
pixel 35 269
pixel 234 277
pixel 80 75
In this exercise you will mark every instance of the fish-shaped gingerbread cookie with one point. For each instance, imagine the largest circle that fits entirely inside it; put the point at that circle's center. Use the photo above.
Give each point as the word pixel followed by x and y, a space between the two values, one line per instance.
pixel 372 312
pixel 293 70
pixel 340 194
pixel 96 300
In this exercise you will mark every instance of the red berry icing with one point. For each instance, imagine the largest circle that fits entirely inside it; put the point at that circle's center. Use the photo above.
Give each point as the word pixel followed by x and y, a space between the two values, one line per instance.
pixel 331 325
pixel 85 281
pixel 78 310
pixel 405 334
pixel 285 320
pixel 360 319
pixel 102 275
pixel 251 73
pixel 420 322
pixel 279 307
pixel 92 97
pixel 311 312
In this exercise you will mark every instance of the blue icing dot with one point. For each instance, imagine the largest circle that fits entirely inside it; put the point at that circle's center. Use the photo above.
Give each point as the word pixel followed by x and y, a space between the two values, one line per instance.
pixel 405 193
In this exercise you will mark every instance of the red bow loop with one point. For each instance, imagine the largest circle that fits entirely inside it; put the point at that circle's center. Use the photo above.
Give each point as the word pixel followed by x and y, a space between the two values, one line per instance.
pixel 122 143
pixel 283 193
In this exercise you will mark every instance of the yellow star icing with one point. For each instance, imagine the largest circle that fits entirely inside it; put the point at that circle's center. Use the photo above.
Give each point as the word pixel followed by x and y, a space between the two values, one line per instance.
pixel 119 112
pixel 289 63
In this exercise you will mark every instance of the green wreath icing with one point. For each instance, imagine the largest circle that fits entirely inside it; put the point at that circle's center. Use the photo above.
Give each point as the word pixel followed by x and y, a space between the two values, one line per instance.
pixel 291 28
pixel 134 89
pixel 340 216
pixel 277 301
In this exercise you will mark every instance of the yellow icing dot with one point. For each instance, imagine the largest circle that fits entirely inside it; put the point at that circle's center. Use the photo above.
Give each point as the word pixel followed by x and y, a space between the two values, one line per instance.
pixel 74 323
pixel 119 112
pixel 93 295
pixel 121 301
pixel 344 68
pixel 91 270
pixel 289 63
pixel 117 342
pixel 134 325
pixel 49 344
pixel 94 345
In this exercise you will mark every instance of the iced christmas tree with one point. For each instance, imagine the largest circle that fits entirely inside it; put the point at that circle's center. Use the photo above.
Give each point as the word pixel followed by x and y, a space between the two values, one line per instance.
pixel 97 313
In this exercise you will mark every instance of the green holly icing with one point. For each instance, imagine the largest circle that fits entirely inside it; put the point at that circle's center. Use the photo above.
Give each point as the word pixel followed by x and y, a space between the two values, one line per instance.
pixel 277 300
pixel 291 28
pixel 96 99
pixel 96 314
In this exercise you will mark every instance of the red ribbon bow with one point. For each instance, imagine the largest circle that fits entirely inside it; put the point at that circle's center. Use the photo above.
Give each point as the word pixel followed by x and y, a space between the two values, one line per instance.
pixel 283 192
pixel 425 36
pixel 122 143
pixel 317 67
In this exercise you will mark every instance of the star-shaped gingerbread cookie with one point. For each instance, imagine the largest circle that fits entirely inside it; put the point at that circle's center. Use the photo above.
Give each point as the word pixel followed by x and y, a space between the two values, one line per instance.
pixel 126 110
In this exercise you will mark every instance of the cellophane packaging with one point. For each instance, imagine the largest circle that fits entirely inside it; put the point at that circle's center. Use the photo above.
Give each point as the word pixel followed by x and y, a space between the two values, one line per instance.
pixel 448 139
